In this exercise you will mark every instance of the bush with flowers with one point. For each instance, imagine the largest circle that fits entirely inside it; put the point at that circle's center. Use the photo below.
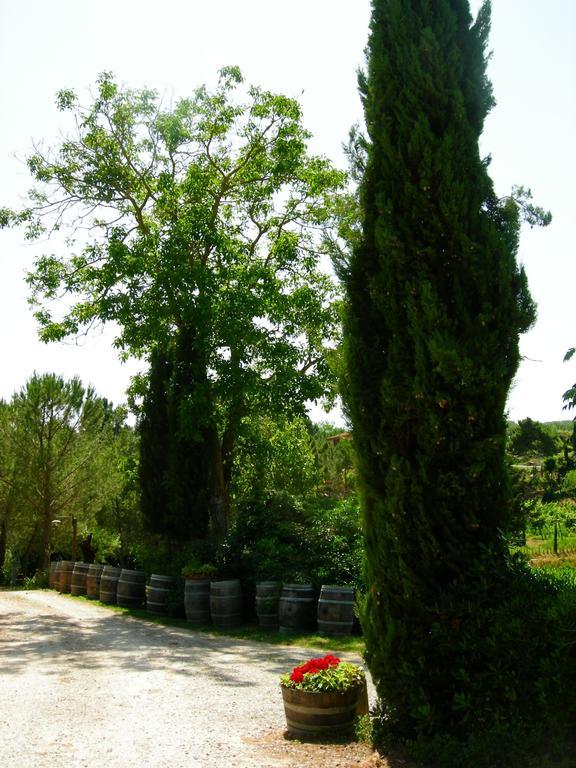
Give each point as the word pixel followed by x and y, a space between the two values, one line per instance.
pixel 322 674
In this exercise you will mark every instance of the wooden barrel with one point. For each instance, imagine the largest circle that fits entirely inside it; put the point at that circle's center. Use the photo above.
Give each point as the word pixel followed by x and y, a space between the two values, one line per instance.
pixel 327 712
pixel 197 601
pixel 157 594
pixel 54 574
pixel 297 608
pixel 65 570
pixel 226 603
pixel 93 581
pixel 78 582
pixel 335 610
pixel 109 584
pixel 131 588
pixel 267 601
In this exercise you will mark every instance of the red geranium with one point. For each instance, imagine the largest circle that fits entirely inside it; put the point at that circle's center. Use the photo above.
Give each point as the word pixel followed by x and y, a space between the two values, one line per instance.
pixel 312 666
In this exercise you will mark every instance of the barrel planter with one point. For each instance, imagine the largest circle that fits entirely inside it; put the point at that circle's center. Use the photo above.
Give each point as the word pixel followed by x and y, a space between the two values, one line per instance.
pixel 109 584
pixel 78 581
pixel 267 603
pixel 93 581
pixel 226 603
pixel 197 601
pixel 54 574
pixel 157 594
pixel 65 571
pixel 297 608
pixel 335 610
pixel 328 712
pixel 131 591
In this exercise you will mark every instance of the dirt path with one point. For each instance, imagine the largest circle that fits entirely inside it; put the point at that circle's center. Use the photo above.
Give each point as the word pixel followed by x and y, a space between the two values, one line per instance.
pixel 80 683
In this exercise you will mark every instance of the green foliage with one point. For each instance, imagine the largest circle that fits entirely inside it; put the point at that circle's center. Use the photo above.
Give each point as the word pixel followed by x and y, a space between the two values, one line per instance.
pixel 38 581
pixel 156 555
pixel 532 439
pixel 501 661
pixel 54 434
pixel 436 301
pixel 275 537
pixel 544 515
pixel 335 459
pixel 196 567
pixel 337 679
pixel 174 463
pixel 206 226
pixel 106 543
pixel 274 454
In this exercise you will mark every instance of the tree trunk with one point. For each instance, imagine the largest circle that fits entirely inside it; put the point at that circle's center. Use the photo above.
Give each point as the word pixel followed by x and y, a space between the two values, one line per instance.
pixel 219 502
pixel 46 532
pixel 3 536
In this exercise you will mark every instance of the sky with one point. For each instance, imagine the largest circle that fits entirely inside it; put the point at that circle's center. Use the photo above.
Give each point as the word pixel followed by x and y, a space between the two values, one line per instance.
pixel 311 50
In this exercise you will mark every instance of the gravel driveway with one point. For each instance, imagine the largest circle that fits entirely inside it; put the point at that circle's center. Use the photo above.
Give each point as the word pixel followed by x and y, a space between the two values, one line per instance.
pixel 85 686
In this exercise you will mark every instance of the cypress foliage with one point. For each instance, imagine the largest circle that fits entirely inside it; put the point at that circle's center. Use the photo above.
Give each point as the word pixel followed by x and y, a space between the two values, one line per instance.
pixel 436 303
pixel 154 444
pixel 174 469
pixel 189 467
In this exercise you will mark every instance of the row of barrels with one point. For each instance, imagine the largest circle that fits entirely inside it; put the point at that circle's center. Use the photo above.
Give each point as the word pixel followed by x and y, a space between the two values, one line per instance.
pixel 107 583
pixel 289 607
pixel 298 609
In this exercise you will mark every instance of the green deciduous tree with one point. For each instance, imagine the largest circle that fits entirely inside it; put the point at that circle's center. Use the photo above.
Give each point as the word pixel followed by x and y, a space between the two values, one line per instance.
pixel 436 303
pixel 204 222
pixel 531 438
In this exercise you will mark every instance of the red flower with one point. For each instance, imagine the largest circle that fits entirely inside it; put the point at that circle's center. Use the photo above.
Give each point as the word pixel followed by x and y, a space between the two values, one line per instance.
pixel 312 666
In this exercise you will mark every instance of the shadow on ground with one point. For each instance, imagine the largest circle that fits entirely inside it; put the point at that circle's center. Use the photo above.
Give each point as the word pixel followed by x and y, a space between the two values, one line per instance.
pixel 57 640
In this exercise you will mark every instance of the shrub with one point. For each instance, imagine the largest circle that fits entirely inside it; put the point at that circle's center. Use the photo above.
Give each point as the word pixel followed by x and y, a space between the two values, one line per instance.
pixel 508 664
pixel 277 537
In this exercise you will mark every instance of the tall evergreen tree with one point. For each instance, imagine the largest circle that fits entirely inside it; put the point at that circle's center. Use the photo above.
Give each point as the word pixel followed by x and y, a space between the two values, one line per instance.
pixel 436 304
pixel 154 445
pixel 174 460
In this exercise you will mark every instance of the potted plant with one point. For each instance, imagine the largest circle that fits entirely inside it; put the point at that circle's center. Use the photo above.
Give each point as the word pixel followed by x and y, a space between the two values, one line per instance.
pixel 195 569
pixel 323 695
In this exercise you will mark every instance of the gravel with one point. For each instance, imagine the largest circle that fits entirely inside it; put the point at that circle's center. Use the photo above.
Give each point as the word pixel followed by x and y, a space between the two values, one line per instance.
pixel 80 682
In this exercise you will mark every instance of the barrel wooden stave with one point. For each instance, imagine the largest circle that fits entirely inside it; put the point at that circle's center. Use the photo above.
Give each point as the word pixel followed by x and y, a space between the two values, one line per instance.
pixel 66 569
pixel 54 574
pixel 93 581
pixel 226 603
pixel 158 593
pixel 109 584
pixel 297 608
pixel 197 601
pixel 131 591
pixel 327 712
pixel 78 581
pixel 336 610
pixel 267 603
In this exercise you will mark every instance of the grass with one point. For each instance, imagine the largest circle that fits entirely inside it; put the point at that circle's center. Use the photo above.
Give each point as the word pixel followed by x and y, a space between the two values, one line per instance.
pixel 350 644
pixel 544 545
pixel 539 550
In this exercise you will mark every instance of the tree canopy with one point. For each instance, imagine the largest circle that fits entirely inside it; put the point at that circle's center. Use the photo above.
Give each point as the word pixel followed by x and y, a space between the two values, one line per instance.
pixel 201 218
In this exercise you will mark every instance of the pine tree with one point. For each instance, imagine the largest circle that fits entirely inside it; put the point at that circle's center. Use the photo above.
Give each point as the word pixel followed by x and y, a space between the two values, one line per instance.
pixel 436 303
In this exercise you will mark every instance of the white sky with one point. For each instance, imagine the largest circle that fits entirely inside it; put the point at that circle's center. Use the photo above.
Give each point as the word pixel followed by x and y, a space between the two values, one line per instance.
pixel 309 49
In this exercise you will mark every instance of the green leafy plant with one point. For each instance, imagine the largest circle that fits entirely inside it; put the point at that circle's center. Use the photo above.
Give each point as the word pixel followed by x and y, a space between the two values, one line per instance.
pixel 195 568
pixel 328 673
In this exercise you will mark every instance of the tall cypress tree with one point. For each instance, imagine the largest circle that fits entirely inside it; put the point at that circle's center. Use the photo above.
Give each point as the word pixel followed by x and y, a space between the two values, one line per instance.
pixel 436 304
pixel 174 461
pixel 154 429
